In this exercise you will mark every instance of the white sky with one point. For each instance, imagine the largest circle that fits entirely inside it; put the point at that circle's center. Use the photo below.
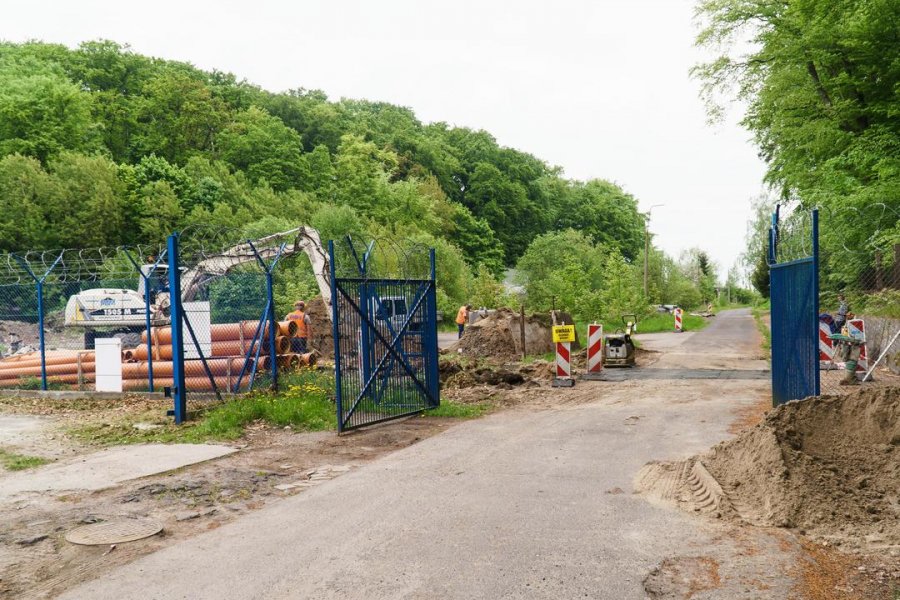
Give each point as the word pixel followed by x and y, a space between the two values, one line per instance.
pixel 598 87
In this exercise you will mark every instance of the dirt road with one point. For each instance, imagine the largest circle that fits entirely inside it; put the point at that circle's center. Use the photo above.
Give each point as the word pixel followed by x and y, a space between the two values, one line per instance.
pixel 521 503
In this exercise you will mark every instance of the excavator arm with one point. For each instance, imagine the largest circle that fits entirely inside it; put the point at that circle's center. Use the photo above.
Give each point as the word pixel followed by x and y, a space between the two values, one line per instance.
pixel 305 239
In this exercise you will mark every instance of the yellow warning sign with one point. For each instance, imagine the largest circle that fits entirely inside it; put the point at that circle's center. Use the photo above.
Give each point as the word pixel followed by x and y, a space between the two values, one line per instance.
pixel 563 333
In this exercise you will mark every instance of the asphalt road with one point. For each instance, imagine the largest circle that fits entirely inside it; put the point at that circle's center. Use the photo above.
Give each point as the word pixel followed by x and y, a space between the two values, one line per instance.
pixel 521 504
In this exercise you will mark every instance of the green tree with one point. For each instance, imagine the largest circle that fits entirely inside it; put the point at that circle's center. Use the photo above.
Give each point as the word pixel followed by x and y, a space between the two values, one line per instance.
pixel 89 204
pixel 161 211
pixel 24 189
pixel 41 112
pixel 264 147
pixel 177 117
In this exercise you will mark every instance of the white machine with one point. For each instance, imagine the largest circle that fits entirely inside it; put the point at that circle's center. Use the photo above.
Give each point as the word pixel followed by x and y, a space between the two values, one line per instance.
pixel 123 313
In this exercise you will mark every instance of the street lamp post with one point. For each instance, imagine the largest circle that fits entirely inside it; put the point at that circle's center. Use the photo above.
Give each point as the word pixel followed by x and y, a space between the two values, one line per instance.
pixel 647 248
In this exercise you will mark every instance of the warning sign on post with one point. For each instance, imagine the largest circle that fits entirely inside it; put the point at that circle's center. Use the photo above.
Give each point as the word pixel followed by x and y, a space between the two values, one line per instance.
pixel 563 333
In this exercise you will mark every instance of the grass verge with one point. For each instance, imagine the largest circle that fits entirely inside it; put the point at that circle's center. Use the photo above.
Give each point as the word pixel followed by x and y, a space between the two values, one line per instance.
pixel 660 322
pixel 758 314
pixel 20 462
pixel 459 411
pixel 304 403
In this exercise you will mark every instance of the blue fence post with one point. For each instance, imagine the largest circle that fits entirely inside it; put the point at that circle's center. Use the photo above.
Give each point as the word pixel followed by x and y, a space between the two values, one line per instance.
pixel 335 330
pixel 433 374
pixel 149 334
pixel 273 355
pixel 39 283
pixel 815 301
pixel 178 391
pixel 40 302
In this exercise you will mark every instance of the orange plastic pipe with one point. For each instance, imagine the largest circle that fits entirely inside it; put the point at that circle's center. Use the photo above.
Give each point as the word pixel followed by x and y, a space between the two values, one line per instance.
pixel 51 360
pixel 218 366
pixel 35 371
pixel 225 332
pixel 219 349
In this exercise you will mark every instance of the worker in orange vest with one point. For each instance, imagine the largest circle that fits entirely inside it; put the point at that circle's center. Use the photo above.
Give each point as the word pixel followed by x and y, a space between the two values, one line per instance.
pixel 300 343
pixel 462 317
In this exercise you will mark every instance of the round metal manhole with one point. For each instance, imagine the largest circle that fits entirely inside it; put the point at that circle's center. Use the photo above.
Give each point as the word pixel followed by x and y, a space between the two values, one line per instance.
pixel 116 531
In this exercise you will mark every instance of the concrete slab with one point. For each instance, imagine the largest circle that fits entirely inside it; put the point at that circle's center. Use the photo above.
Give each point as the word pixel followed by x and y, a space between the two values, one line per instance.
pixel 108 468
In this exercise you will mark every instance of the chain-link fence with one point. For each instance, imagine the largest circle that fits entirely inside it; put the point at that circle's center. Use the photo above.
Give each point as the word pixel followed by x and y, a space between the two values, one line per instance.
pixel 54 305
pixel 102 319
pixel 859 290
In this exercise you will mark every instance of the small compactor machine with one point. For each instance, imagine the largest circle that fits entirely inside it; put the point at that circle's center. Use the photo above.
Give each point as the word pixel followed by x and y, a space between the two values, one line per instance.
pixel 619 347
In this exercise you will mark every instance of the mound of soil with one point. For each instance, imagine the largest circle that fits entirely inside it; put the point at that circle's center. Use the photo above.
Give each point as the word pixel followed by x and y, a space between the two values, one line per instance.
pixel 499 336
pixel 460 374
pixel 27 333
pixel 829 465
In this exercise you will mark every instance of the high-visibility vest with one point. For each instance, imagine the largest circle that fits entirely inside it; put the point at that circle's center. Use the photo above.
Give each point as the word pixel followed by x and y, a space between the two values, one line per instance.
pixel 300 317
pixel 462 315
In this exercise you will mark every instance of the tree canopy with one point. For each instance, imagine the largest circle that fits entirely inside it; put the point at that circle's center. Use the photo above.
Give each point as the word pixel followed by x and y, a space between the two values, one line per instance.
pixel 100 145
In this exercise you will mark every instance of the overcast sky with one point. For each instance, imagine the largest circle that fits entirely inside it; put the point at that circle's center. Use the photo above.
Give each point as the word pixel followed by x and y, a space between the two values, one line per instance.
pixel 598 87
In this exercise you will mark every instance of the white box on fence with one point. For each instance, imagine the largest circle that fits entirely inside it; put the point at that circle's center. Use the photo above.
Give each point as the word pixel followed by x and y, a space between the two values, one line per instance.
pixel 108 361
pixel 197 314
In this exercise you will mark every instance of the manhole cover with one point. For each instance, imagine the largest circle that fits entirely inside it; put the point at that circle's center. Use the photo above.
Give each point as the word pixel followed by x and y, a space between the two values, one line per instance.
pixel 114 532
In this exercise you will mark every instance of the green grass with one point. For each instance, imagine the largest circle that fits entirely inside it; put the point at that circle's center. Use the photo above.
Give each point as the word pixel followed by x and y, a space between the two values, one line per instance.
pixel 19 462
pixel 304 403
pixel 659 322
pixel 758 313
pixel 549 357
pixel 459 411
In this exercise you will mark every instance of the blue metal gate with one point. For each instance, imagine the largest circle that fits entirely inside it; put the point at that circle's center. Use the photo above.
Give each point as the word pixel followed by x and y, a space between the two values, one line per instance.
pixel 385 344
pixel 794 290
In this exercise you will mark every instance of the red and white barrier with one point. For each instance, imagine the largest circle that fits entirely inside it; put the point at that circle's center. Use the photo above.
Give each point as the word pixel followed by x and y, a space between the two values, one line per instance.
pixel 679 327
pixel 563 362
pixel 594 351
pixel 857 329
pixel 563 365
pixel 826 347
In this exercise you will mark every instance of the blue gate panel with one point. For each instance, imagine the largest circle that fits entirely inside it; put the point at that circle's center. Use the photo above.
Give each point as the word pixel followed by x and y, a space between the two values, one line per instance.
pixel 795 331
pixel 385 349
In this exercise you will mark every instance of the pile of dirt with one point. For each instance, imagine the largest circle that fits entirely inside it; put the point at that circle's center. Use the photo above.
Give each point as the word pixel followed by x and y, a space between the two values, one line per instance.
pixel 464 374
pixel 499 335
pixel 828 465
pixel 26 333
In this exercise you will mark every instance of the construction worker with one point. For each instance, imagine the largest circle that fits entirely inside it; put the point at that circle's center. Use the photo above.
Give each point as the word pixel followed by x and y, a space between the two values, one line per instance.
pixel 840 319
pixel 462 317
pixel 849 349
pixel 300 342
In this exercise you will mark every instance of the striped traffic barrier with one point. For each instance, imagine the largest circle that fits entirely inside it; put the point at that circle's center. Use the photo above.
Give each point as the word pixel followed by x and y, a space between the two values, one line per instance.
pixel 594 352
pixel 857 329
pixel 679 327
pixel 826 347
pixel 563 336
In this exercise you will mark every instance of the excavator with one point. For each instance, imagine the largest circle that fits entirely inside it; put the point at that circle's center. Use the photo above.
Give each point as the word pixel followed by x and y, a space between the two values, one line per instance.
pixel 123 313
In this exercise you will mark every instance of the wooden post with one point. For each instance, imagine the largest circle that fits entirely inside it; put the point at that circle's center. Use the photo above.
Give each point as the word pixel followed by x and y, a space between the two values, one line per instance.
pixel 522 330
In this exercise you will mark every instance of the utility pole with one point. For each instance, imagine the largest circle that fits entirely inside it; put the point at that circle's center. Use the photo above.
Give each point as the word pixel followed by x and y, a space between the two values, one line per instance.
pixel 647 249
